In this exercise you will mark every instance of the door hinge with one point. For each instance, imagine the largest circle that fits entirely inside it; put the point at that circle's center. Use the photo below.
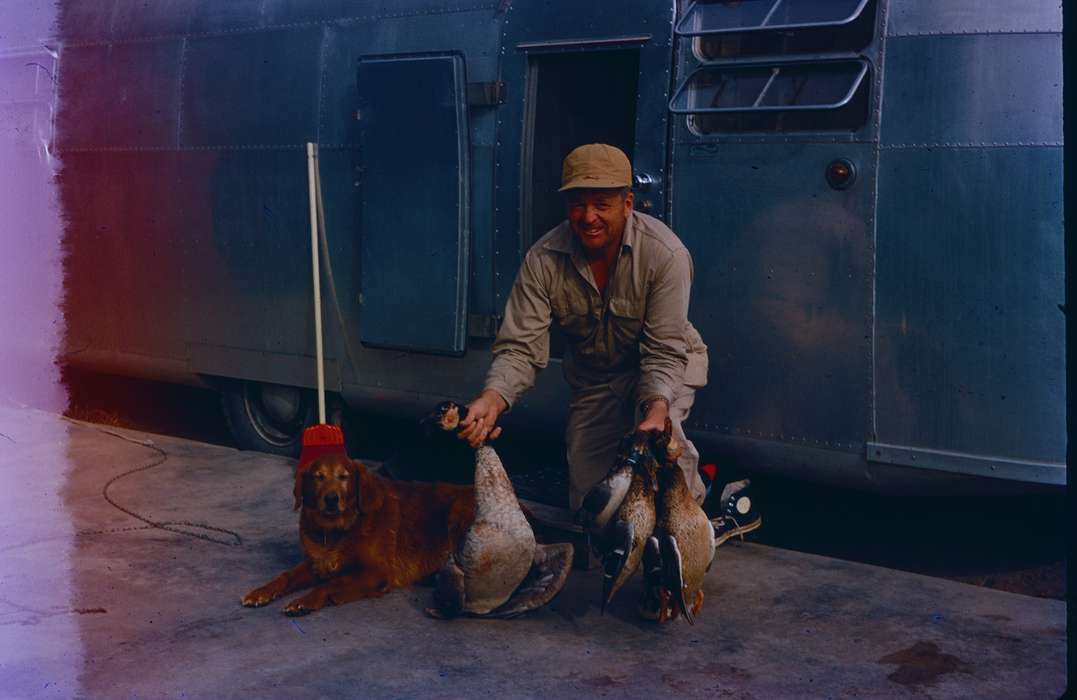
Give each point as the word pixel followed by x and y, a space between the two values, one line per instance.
pixel 488 94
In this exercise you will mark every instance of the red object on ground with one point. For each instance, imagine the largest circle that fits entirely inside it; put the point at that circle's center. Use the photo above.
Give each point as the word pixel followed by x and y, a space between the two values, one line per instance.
pixel 710 471
pixel 320 440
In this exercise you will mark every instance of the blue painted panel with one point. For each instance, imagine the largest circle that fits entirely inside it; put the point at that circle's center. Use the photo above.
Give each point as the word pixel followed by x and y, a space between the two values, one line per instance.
pixel 287 11
pixel 478 33
pixel 213 16
pixel 136 85
pixel 413 207
pixel 973 90
pixel 783 289
pixel 246 217
pixel 473 34
pixel 256 89
pixel 970 339
pixel 973 16
pixel 138 18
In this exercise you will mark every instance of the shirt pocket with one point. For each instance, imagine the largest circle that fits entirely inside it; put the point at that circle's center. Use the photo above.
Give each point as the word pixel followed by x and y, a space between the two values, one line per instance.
pixel 572 317
pixel 626 321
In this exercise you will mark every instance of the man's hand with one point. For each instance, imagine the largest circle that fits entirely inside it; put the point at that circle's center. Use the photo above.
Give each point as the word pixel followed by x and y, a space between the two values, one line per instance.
pixel 481 419
pixel 655 419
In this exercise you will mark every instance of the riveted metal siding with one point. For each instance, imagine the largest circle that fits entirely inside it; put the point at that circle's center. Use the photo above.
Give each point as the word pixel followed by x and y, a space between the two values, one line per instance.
pixel 782 289
pixel 970 339
pixel 975 90
pixel 255 89
pixel 930 17
pixel 135 85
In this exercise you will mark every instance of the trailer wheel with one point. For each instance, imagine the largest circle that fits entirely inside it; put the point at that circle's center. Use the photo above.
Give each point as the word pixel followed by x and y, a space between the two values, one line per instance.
pixel 267 417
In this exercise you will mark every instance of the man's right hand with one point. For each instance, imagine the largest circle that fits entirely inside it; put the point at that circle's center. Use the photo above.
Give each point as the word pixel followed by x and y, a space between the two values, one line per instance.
pixel 481 421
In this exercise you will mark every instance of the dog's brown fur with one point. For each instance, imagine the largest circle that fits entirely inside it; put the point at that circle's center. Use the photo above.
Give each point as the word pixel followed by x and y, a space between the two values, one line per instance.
pixel 381 534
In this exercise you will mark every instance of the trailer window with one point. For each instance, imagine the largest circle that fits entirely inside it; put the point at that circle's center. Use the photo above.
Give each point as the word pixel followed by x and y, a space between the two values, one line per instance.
pixel 804 96
pixel 731 28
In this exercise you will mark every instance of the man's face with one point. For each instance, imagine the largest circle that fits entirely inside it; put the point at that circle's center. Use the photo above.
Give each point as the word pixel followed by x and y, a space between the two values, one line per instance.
pixel 598 217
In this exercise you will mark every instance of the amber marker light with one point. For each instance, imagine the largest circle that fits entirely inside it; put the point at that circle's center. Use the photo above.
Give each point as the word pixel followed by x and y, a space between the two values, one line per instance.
pixel 841 174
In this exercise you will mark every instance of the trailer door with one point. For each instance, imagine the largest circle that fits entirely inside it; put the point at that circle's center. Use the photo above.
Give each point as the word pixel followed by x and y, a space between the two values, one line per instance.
pixel 413 218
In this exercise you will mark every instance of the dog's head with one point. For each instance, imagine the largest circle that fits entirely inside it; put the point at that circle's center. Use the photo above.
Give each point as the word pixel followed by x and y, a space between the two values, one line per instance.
pixel 330 486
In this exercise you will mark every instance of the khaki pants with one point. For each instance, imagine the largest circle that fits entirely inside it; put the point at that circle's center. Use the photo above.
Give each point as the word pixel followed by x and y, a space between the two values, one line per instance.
pixel 599 416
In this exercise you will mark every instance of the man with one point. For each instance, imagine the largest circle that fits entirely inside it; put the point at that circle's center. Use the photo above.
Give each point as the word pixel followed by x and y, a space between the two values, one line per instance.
pixel 617 283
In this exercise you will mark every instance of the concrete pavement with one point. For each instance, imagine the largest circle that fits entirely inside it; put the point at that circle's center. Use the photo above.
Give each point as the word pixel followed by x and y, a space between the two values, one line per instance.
pixel 140 598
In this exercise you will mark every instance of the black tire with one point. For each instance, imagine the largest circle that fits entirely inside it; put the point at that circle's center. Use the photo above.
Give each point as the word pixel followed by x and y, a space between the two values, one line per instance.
pixel 268 417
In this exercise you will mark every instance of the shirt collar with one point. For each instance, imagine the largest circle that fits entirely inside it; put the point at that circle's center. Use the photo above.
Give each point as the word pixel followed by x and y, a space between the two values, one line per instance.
pixel 564 241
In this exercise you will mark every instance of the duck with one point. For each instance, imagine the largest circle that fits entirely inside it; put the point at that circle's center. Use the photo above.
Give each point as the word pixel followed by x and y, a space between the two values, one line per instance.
pixel 634 520
pixel 602 501
pixel 681 550
pixel 498 569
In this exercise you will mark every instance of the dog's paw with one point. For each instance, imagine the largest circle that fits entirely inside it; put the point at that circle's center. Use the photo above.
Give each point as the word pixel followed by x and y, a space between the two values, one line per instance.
pixel 257 598
pixel 302 606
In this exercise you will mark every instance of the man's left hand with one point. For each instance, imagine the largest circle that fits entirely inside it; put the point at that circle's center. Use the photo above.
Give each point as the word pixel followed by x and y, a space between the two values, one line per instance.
pixel 655 420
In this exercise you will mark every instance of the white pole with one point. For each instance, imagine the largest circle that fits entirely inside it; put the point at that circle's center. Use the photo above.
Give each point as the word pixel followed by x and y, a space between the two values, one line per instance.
pixel 312 155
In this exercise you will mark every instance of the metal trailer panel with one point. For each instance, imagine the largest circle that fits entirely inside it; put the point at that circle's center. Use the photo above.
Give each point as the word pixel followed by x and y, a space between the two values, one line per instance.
pixel 975 90
pixel 122 96
pixel 83 20
pixel 970 338
pixel 413 219
pixel 254 250
pixel 124 286
pixel 782 289
pixel 927 17
pixel 231 81
pixel 477 34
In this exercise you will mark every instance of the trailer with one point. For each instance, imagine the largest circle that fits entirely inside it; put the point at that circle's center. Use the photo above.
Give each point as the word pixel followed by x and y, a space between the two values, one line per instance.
pixel 871 191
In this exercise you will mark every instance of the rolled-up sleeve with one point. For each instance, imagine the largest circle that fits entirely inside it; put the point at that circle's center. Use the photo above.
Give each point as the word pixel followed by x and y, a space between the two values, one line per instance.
pixel 522 346
pixel 663 354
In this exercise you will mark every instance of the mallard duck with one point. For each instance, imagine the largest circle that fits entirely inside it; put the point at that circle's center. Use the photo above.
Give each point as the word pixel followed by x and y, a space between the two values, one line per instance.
pixel 602 501
pixel 683 538
pixel 498 569
pixel 634 519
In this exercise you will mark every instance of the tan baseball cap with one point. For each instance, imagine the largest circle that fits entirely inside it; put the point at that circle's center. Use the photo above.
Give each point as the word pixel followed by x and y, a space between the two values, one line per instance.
pixel 596 166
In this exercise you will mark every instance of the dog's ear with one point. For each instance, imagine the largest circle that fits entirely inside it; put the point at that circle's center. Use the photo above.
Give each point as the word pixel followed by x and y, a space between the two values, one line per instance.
pixel 369 491
pixel 359 477
pixel 304 486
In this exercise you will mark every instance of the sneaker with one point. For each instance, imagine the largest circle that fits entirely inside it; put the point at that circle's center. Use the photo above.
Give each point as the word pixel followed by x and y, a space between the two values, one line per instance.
pixel 738 515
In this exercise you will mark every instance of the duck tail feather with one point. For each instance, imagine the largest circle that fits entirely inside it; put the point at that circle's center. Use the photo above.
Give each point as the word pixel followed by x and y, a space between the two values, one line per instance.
pixel 613 563
pixel 652 562
pixel 673 574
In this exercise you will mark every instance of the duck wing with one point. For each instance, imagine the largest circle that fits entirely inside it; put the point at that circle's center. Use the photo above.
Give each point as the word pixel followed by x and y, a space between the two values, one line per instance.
pixel 627 536
pixel 549 572
pixel 602 501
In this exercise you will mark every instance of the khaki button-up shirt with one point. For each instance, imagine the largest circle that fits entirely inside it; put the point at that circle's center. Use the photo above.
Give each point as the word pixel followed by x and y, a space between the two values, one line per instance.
pixel 639 327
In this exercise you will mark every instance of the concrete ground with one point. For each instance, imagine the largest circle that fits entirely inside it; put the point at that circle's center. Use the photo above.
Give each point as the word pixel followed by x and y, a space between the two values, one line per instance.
pixel 122 565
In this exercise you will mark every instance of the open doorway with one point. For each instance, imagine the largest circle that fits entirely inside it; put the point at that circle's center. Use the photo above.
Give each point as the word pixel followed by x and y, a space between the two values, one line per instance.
pixel 573 99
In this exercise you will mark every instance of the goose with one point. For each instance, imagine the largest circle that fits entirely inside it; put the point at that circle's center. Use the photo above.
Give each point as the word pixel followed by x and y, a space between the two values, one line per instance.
pixel 498 569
